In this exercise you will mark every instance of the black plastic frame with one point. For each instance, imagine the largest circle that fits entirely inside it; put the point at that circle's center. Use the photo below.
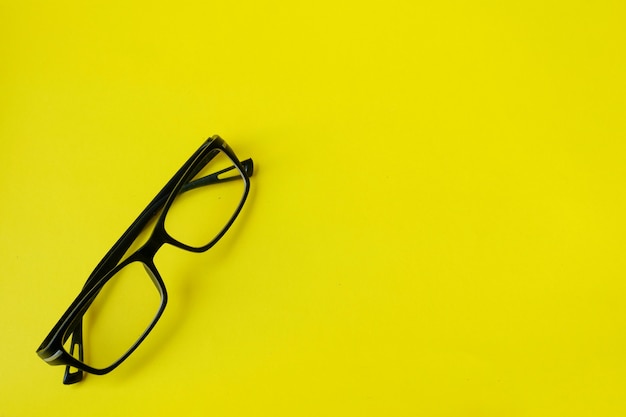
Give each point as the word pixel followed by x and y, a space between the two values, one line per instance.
pixel 71 323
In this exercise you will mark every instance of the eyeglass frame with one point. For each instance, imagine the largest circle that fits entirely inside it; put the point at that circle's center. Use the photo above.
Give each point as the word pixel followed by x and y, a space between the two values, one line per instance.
pixel 52 348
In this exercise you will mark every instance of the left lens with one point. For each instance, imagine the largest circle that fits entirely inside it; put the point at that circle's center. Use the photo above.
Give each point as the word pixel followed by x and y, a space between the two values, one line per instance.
pixel 123 310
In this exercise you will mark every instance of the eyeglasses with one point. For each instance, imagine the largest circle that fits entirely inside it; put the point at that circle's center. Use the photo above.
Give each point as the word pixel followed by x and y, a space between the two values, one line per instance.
pixel 125 296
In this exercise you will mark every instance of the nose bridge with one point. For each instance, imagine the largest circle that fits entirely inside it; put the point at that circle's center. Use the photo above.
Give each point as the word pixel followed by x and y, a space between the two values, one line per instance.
pixel 151 247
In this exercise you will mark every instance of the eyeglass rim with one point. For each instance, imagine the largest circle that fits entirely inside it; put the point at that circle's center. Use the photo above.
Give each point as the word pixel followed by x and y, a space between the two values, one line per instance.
pixel 223 146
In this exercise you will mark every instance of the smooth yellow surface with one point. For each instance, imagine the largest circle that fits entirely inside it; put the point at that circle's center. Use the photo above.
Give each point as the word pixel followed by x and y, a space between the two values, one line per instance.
pixel 436 226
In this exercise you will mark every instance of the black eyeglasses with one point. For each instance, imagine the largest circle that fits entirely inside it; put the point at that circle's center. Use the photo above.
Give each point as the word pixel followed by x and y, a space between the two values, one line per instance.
pixel 125 296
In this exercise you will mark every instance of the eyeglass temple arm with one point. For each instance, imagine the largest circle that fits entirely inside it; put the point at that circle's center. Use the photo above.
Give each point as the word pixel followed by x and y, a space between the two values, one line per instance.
pixel 115 254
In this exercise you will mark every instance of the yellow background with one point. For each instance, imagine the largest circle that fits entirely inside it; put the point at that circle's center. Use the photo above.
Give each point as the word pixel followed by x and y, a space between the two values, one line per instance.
pixel 436 226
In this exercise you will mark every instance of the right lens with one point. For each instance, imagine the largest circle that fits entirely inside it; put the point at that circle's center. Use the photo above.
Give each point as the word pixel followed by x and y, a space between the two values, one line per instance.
pixel 123 310
pixel 207 203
